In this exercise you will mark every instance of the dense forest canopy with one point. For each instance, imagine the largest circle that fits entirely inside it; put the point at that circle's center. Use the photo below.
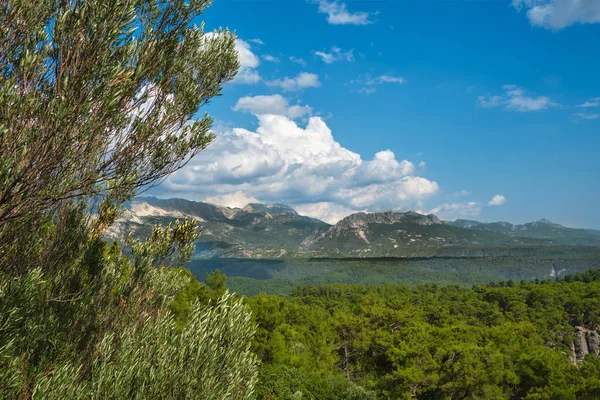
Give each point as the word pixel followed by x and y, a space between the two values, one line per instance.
pixel 500 341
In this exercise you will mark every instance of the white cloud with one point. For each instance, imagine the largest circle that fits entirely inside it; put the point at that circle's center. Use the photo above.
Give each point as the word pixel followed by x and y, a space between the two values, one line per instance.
pixel 558 14
pixel 336 54
pixel 248 63
pixel 283 161
pixel 274 104
pixel 385 79
pixel 298 60
pixel 247 76
pixel 328 58
pixel 594 102
pixel 591 103
pixel 452 211
pixel 515 99
pixel 366 90
pixel 236 199
pixel 587 116
pixel 246 57
pixel 370 81
pixel 338 14
pixel 489 102
pixel 497 200
pixel 422 164
pixel 256 41
pixel 302 81
pixel 270 58
pixel 325 211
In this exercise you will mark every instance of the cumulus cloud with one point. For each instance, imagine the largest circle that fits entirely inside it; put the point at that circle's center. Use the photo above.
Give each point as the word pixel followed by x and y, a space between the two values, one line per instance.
pixel 274 104
pixel 336 54
pixel 298 164
pixel 236 199
pixel 338 14
pixel 301 81
pixel 558 14
pixel 497 200
pixel 325 211
pixel 515 99
pixel 452 211
pixel 248 63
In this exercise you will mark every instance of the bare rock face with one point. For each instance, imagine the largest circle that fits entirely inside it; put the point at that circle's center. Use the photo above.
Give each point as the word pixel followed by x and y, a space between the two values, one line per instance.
pixel 593 342
pixel 586 341
pixel 573 355
pixel 581 345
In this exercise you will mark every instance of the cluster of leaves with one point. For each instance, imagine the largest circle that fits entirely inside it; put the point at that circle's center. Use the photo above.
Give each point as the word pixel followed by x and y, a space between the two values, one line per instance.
pixel 501 341
pixel 98 97
pixel 96 104
pixel 103 326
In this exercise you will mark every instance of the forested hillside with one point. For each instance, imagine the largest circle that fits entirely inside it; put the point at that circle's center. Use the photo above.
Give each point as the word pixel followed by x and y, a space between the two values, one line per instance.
pixel 468 266
pixel 542 229
pixel 498 341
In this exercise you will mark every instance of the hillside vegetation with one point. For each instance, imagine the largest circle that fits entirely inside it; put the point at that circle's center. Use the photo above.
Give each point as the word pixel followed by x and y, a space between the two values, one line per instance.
pixel 497 341
pixel 485 265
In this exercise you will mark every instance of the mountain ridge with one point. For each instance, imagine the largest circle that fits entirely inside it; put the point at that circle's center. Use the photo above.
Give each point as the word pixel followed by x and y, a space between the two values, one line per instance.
pixel 277 230
pixel 254 231
pixel 541 229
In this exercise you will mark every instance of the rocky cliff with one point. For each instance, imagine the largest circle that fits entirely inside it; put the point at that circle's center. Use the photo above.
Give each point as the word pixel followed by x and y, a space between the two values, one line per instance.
pixel 585 342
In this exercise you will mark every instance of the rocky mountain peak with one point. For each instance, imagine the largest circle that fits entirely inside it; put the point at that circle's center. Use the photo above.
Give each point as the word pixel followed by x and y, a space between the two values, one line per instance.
pixel 269 208
pixel 542 223
pixel 465 223
pixel 387 217
pixel 361 231
pixel 260 230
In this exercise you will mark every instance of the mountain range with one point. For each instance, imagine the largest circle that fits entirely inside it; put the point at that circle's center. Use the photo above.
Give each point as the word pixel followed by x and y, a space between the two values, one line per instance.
pixel 277 230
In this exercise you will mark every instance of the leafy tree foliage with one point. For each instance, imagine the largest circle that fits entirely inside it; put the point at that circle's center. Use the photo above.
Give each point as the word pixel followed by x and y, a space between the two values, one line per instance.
pixel 97 97
pixel 115 336
pixel 96 103
pixel 500 341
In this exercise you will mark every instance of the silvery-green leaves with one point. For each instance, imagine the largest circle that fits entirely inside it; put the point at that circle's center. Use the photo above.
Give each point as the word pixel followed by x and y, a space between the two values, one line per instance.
pixel 97 99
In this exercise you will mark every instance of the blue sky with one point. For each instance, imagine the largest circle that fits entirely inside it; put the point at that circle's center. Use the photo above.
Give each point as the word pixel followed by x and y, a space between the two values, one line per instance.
pixel 436 106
